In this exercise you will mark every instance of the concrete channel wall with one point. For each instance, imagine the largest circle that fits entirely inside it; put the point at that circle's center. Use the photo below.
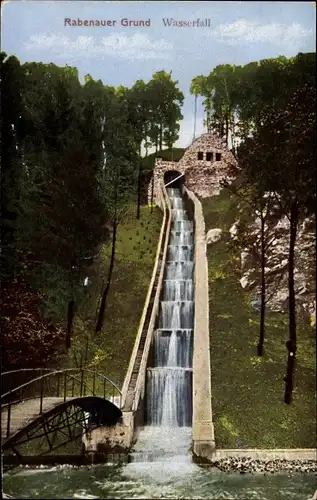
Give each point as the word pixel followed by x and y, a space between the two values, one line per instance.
pixel 203 439
pixel 288 454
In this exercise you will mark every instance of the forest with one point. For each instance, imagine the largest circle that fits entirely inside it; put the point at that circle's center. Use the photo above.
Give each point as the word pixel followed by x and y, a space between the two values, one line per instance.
pixel 269 106
pixel 71 171
pixel 75 159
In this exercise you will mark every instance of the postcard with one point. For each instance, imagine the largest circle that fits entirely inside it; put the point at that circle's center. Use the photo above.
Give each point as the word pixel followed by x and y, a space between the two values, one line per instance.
pixel 158 251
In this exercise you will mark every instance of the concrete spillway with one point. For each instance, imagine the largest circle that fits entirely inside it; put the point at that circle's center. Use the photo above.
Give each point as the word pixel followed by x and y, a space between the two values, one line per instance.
pixel 167 390
pixel 169 378
pixel 168 407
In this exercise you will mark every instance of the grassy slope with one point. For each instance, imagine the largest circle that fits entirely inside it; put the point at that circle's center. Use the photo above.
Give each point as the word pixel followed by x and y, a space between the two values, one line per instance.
pixel 110 351
pixel 247 391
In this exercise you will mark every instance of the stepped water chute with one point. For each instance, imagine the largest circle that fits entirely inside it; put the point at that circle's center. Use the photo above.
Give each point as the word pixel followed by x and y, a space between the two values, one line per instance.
pixel 167 389
pixel 169 378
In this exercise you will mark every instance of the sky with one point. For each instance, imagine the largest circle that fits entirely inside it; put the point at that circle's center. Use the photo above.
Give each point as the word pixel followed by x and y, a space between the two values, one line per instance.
pixel 237 33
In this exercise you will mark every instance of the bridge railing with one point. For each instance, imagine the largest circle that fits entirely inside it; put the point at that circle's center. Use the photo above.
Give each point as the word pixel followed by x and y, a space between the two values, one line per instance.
pixel 63 384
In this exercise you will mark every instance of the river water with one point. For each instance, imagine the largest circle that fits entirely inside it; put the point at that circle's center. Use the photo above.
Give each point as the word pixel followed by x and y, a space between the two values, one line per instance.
pixel 171 479
pixel 160 465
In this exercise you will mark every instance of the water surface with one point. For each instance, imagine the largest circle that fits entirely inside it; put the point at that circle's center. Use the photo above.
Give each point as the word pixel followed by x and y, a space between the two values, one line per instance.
pixel 167 479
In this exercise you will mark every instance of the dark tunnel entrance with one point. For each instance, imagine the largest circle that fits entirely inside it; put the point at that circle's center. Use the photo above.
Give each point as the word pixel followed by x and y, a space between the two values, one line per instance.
pixel 170 175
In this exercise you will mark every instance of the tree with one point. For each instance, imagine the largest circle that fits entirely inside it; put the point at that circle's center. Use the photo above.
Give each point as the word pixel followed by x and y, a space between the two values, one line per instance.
pixel 119 178
pixel 166 101
pixel 200 87
pixel 235 96
pixel 286 145
pixel 62 223
pixel 137 106
pixel 256 204
pixel 11 165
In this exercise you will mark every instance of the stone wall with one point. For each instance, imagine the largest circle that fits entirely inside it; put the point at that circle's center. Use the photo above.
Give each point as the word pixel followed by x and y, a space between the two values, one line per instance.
pixel 161 167
pixel 201 176
pixel 115 439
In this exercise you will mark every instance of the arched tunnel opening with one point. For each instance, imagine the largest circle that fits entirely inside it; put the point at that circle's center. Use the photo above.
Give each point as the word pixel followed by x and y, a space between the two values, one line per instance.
pixel 169 177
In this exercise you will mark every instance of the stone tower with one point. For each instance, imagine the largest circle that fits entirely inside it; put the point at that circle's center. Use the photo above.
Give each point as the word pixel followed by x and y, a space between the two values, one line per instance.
pixel 205 163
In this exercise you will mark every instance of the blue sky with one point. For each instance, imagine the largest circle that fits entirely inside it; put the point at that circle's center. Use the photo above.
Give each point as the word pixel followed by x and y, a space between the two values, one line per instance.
pixel 240 32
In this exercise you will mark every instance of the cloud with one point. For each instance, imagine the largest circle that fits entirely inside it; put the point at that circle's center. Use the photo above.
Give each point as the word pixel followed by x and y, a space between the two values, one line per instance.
pixel 136 46
pixel 245 31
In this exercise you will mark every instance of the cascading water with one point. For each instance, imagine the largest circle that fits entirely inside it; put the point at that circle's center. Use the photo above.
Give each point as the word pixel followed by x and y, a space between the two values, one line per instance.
pixel 169 399
pixel 169 379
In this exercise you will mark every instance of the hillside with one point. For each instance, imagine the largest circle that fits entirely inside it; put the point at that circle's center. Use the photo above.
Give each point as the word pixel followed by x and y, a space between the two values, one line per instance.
pixel 248 408
pixel 109 352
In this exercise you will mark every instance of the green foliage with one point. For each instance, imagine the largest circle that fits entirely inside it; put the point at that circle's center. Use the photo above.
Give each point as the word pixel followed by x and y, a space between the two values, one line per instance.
pixel 110 351
pixel 280 158
pixel 71 168
pixel 11 163
pixel 248 408
pixel 166 100
pixel 238 95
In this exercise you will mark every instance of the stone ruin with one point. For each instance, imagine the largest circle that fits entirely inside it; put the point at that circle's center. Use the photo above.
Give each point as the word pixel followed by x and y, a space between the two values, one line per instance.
pixel 205 164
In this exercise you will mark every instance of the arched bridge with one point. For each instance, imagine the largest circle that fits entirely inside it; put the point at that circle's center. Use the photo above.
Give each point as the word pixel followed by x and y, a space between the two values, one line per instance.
pixel 54 407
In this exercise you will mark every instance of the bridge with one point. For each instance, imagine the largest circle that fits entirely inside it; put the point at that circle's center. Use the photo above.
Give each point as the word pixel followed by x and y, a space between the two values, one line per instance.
pixel 54 407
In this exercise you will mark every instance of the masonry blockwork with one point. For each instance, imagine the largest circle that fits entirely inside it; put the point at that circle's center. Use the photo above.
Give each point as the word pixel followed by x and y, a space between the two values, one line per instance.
pixel 205 163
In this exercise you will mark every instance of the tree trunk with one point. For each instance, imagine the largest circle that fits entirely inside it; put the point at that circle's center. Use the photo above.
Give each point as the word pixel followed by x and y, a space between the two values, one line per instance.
pixel 101 314
pixel 222 126
pixel 139 186
pixel 152 192
pixel 161 137
pixel 207 118
pixel 263 290
pixel 70 318
pixel 139 194
pixel 291 343
pixel 195 117
pixel 152 186
pixel 227 129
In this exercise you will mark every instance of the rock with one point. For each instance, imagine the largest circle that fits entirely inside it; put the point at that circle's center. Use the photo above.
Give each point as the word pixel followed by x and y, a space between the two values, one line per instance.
pixel 213 235
pixel 277 264
pixel 234 230
pixel 244 282
pixel 245 259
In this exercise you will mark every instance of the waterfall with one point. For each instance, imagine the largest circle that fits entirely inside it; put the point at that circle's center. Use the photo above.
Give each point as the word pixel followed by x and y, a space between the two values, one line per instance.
pixel 169 380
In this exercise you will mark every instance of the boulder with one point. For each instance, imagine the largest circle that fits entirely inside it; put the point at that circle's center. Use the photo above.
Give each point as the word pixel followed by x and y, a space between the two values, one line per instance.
pixel 214 235
pixel 234 230
pixel 244 282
